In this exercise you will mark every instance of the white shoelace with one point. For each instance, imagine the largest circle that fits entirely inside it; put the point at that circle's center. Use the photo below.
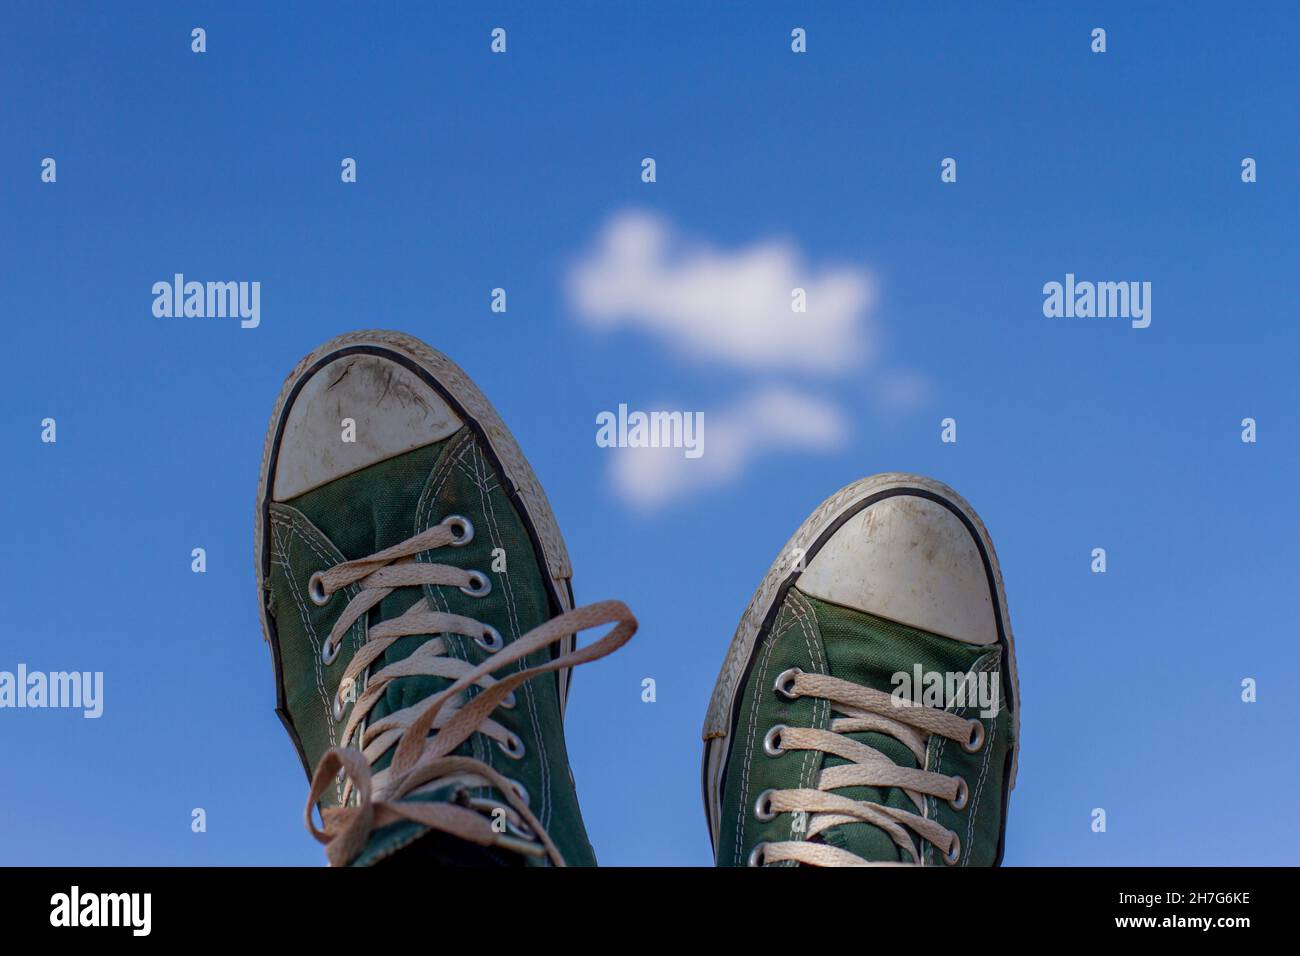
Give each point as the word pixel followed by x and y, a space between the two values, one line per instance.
pixel 864 709
pixel 422 762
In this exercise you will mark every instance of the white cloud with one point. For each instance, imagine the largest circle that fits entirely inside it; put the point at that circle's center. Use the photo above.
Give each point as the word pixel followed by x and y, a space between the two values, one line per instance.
pixel 728 306
pixel 731 309
pixel 765 420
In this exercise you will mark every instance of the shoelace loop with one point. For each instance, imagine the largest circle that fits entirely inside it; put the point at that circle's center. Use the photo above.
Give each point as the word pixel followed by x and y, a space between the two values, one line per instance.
pixel 420 761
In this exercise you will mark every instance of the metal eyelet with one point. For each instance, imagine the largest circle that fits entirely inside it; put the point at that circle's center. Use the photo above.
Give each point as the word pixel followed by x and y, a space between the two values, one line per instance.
pixel 464 535
pixel 953 855
pixel 508 702
pixel 756 855
pixel 316 589
pixel 338 705
pixel 480 585
pixel 763 807
pixel 785 683
pixel 772 741
pixel 513 747
pixel 520 829
pixel 490 639
pixel 976 740
pixel 329 652
pixel 963 794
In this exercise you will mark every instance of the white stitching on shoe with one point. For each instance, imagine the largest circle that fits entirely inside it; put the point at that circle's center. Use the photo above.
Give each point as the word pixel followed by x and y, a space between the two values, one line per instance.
pixel 486 485
pixel 992 664
pixel 424 519
pixel 305 616
pixel 821 707
pixel 986 663
pixel 751 743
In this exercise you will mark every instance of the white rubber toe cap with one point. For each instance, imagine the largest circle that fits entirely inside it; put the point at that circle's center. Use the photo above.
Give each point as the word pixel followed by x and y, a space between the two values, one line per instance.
pixel 911 560
pixel 394 412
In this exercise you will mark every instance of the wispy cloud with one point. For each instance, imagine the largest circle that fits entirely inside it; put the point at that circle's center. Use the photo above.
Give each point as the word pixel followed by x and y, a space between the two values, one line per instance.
pixel 730 309
pixel 765 420
pixel 728 306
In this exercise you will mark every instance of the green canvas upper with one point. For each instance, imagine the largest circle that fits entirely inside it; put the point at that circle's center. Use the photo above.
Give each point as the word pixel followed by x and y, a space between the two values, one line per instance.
pixel 378 507
pixel 823 638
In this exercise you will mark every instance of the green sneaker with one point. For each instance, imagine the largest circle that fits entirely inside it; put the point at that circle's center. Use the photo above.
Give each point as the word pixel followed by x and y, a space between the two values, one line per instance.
pixel 868 711
pixel 415 593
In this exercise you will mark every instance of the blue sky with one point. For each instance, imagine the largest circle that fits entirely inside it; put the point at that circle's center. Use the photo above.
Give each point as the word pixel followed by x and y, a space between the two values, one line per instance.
pixel 477 171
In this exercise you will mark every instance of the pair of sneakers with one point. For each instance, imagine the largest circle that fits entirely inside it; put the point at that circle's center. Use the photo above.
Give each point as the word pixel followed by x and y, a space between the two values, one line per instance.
pixel 416 596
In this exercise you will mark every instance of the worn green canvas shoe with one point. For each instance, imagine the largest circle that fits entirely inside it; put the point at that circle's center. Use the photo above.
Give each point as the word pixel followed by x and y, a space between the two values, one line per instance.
pixel 415 593
pixel 868 710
